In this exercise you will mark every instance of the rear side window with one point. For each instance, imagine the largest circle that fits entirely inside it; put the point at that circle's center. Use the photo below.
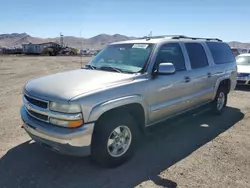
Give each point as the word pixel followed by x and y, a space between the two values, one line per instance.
pixel 197 55
pixel 221 52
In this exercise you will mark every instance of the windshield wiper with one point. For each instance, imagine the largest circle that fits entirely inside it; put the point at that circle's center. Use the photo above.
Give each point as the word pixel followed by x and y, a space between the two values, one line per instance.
pixel 90 66
pixel 111 68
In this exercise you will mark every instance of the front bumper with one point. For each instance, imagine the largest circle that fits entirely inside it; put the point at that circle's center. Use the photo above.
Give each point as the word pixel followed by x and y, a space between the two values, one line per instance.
pixel 243 80
pixel 68 141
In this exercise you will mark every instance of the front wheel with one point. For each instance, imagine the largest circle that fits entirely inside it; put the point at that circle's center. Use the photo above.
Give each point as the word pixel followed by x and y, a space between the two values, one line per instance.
pixel 114 139
pixel 220 101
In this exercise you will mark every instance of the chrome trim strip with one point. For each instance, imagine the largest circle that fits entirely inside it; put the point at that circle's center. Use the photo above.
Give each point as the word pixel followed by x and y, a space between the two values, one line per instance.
pixel 47 112
pixel 35 116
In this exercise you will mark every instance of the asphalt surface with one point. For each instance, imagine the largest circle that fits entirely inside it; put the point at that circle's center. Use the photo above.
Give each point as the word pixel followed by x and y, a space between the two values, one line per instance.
pixel 201 151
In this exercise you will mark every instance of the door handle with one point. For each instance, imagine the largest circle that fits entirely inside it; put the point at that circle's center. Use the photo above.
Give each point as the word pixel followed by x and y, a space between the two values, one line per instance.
pixel 187 79
pixel 209 75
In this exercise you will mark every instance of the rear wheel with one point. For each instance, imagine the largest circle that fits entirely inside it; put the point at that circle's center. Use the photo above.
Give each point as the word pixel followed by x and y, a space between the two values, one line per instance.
pixel 220 101
pixel 114 139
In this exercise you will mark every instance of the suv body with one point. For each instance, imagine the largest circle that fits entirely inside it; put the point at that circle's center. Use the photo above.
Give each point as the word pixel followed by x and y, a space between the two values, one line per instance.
pixel 97 109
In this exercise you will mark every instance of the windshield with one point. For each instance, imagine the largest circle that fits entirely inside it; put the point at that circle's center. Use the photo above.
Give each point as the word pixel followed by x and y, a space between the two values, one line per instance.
pixel 243 60
pixel 129 58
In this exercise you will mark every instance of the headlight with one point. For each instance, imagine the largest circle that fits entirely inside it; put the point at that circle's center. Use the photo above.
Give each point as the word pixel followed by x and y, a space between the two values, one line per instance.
pixel 65 108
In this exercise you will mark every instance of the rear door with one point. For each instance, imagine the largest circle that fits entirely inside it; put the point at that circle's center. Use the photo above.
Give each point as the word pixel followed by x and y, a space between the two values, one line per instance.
pixel 200 73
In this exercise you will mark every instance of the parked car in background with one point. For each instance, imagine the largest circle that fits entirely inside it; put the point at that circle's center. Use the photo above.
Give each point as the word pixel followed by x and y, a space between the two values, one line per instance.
pixel 102 109
pixel 236 51
pixel 89 52
pixel 243 51
pixel 243 65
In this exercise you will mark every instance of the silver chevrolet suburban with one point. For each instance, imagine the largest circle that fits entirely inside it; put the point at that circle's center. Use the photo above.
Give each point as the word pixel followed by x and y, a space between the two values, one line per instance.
pixel 102 108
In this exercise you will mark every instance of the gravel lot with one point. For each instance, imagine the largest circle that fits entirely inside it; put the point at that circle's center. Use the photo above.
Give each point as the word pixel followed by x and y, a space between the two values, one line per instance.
pixel 202 151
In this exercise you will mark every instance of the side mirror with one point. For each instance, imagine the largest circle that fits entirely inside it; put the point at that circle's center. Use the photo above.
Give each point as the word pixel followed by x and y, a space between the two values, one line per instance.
pixel 166 69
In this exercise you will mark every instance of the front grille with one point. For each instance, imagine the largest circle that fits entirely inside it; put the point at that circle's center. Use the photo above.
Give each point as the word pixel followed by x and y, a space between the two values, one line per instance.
pixel 243 74
pixel 38 116
pixel 241 82
pixel 36 102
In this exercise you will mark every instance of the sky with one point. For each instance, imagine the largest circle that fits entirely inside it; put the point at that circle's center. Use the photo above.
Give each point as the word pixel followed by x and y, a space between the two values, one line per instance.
pixel 225 19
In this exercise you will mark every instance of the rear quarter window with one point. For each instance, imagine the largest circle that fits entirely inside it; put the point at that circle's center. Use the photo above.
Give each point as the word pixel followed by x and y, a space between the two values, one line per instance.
pixel 221 52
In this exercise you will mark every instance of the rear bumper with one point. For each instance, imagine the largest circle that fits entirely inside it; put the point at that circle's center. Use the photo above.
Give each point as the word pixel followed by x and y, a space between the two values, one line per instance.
pixel 75 141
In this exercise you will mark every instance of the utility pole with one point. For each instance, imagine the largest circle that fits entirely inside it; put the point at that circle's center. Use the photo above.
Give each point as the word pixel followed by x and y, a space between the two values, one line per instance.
pixel 61 39
pixel 150 34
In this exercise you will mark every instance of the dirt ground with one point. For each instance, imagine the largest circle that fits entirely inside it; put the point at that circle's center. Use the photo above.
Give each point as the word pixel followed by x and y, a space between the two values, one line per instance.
pixel 201 151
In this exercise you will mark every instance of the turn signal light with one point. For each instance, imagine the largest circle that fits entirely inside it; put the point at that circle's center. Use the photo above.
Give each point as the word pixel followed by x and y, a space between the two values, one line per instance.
pixel 66 123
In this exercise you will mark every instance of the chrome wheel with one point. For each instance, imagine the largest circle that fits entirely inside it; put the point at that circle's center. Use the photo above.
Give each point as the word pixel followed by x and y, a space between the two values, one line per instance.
pixel 119 141
pixel 220 101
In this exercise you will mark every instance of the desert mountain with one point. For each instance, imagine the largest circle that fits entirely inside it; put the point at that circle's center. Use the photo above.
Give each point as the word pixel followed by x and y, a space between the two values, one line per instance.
pixel 236 44
pixel 17 39
pixel 99 41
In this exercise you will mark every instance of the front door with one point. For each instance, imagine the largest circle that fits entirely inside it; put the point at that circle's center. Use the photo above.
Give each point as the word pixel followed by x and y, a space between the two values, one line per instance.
pixel 168 95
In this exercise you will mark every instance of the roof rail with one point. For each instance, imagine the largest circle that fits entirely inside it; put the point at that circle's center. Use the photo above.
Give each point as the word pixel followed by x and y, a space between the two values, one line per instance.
pixel 197 38
pixel 180 37
pixel 161 36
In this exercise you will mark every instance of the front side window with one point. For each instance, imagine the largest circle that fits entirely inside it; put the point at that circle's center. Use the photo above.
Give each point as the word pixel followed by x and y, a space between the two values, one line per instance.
pixel 197 55
pixel 243 60
pixel 129 58
pixel 171 53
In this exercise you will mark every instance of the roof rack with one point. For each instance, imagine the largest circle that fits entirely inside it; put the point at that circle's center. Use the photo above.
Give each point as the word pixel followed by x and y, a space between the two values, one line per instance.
pixel 196 38
pixel 180 37
pixel 161 36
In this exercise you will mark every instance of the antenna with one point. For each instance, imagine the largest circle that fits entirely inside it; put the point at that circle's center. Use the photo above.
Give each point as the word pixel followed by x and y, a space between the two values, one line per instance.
pixel 149 36
pixel 81 47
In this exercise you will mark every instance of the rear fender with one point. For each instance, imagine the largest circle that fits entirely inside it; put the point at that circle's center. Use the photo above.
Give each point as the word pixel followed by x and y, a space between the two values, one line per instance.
pixel 226 76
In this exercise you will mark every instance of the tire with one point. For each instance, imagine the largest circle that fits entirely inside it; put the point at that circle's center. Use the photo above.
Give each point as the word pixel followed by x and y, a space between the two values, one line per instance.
pixel 221 97
pixel 104 131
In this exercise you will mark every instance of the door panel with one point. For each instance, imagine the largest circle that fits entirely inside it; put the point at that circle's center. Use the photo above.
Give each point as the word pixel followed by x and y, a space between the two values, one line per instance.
pixel 168 95
pixel 202 84
pixel 201 74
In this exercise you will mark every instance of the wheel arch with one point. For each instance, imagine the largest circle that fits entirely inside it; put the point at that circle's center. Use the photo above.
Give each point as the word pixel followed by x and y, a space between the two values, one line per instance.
pixel 134 105
pixel 223 82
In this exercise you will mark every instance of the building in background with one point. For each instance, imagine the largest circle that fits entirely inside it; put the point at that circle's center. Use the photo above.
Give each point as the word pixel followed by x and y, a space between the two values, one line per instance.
pixel 39 48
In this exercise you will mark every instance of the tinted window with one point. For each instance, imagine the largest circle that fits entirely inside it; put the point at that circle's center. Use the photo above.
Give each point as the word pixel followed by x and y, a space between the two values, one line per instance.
pixel 197 55
pixel 221 52
pixel 171 53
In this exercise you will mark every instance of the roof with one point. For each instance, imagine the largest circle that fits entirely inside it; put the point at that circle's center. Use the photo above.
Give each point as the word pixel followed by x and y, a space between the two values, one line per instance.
pixel 163 38
pixel 41 43
pixel 139 41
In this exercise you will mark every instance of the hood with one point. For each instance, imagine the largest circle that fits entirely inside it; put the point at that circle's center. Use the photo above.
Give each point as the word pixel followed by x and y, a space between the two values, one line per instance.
pixel 243 68
pixel 66 85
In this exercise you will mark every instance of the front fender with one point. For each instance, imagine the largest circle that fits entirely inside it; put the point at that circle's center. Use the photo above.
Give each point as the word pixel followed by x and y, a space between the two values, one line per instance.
pixel 101 108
